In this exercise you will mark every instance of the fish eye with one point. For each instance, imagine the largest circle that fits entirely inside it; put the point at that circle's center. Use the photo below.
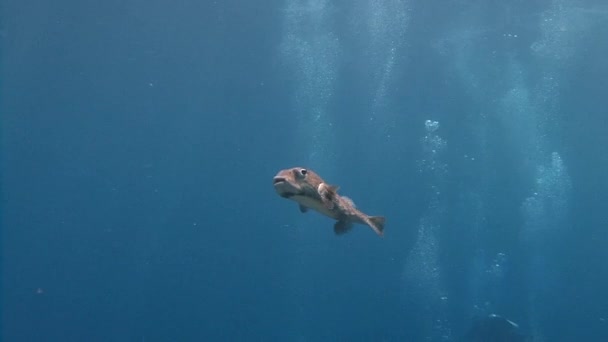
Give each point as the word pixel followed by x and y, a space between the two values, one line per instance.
pixel 303 172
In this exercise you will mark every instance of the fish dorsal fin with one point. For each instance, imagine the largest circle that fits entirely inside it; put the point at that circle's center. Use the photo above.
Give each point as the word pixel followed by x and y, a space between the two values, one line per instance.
pixel 349 201
pixel 303 209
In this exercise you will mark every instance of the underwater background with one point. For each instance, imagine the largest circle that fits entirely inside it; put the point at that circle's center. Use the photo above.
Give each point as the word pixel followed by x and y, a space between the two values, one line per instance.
pixel 140 138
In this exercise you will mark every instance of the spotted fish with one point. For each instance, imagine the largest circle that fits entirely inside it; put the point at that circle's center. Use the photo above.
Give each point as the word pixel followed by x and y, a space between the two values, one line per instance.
pixel 311 192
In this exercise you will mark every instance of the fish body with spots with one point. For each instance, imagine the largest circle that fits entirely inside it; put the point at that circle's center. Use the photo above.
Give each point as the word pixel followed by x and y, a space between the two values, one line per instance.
pixel 310 191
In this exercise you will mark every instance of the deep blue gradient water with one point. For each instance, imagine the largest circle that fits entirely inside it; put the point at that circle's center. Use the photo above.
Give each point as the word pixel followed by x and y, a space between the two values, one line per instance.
pixel 140 138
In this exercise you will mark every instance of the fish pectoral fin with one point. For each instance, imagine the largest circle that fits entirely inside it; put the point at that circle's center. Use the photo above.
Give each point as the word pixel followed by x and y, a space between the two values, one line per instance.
pixel 333 188
pixel 326 190
pixel 342 227
pixel 303 209
pixel 327 193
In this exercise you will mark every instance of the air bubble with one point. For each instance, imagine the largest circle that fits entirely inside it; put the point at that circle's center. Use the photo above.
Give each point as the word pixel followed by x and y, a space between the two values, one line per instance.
pixel 431 126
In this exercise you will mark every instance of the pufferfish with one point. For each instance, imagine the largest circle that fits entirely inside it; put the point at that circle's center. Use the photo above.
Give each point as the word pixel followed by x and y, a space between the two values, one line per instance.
pixel 310 191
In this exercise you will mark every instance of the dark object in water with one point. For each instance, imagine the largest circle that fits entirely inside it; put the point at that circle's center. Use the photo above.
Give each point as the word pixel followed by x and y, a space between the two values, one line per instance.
pixel 494 328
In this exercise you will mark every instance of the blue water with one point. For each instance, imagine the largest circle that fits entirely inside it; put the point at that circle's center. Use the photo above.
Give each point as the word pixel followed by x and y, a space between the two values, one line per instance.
pixel 140 138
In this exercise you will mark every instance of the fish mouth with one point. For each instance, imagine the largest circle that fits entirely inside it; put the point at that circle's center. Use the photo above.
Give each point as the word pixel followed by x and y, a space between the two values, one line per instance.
pixel 283 187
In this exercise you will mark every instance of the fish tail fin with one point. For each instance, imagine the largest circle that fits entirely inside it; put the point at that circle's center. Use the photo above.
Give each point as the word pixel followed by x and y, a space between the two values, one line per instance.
pixel 377 224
